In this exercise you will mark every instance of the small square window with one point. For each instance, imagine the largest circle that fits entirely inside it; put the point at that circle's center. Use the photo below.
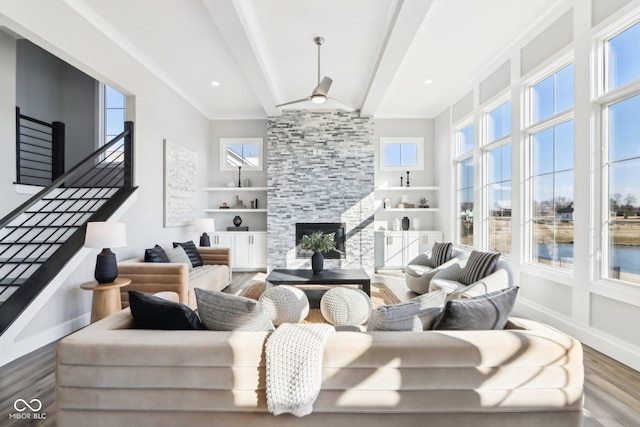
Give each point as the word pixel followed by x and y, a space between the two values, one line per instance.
pixel 405 153
pixel 245 152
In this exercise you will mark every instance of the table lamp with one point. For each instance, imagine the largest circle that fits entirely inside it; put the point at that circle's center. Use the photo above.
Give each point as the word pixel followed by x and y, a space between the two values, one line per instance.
pixel 105 235
pixel 202 226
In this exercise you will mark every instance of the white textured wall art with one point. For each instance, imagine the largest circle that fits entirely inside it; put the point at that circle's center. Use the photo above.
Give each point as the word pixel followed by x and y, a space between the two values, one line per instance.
pixel 179 185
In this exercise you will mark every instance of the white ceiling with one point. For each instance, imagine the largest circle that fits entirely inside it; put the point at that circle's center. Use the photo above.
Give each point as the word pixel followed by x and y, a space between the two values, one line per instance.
pixel 378 52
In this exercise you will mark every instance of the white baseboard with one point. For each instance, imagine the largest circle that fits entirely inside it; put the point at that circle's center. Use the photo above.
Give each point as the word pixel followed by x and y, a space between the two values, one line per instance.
pixel 617 349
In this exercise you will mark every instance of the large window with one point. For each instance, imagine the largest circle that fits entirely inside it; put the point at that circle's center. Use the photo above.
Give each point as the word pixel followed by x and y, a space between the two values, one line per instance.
pixel 464 138
pixel 113 117
pixel 497 184
pixel 621 160
pixel 551 161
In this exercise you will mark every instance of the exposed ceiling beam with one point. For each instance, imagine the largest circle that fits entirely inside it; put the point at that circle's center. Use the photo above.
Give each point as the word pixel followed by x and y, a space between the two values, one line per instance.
pixel 405 23
pixel 234 22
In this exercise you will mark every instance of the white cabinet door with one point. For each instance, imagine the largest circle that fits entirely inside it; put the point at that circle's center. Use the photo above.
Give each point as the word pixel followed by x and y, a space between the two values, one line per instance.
pixel 394 250
pixel 411 245
pixel 259 250
pixel 428 238
pixel 222 240
pixel 250 250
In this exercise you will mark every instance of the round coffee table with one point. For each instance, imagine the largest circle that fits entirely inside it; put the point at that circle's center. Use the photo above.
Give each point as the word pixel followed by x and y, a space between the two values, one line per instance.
pixel 106 297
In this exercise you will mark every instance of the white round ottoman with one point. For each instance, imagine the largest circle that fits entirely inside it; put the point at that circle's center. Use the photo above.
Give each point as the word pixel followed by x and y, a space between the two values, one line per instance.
pixel 344 306
pixel 285 304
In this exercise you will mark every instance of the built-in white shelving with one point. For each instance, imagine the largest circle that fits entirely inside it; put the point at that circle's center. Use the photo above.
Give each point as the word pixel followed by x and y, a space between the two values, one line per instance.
pixel 417 188
pixel 236 210
pixel 409 210
pixel 235 189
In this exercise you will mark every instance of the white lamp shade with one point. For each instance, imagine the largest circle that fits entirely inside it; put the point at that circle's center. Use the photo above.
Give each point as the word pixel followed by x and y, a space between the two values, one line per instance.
pixel 105 235
pixel 205 224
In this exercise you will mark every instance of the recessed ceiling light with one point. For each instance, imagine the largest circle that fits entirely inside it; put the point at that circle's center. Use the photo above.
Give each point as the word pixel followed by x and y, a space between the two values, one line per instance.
pixel 428 82
pixel 215 83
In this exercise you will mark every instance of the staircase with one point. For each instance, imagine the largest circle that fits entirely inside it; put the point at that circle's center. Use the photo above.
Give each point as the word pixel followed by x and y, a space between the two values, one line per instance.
pixel 38 238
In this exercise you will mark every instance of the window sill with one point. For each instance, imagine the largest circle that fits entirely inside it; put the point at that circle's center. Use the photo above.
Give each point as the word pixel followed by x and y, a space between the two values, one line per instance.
pixel 563 277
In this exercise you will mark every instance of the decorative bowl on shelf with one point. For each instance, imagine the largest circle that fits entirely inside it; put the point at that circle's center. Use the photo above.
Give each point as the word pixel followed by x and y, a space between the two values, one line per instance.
pixel 231 184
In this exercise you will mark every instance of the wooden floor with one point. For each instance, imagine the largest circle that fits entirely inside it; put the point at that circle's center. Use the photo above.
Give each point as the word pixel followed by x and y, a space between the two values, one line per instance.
pixel 612 390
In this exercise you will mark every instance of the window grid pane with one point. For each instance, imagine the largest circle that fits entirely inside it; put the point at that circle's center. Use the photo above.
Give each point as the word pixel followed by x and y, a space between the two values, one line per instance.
pixel 552 228
pixel 552 95
pixel 465 202
pixel 623 58
pixel 465 138
pixel 623 226
pixel 499 200
pixel 499 122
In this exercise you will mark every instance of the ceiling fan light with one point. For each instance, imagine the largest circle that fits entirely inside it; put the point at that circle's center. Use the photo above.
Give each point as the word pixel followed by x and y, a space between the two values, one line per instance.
pixel 318 99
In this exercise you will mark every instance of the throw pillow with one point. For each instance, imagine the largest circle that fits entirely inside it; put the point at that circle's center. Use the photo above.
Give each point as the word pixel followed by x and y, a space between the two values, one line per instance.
pixel 150 312
pixel 227 312
pixel 417 314
pixel 440 253
pixel 155 254
pixel 479 265
pixel 191 250
pixel 488 311
pixel 178 255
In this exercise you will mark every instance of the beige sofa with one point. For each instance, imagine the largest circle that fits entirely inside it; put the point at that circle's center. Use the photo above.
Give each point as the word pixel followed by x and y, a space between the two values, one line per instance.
pixel 528 375
pixel 151 277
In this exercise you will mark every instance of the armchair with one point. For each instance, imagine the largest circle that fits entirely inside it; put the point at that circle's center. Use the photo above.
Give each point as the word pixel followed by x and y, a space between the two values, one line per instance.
pixel 418 273
pixel 448 279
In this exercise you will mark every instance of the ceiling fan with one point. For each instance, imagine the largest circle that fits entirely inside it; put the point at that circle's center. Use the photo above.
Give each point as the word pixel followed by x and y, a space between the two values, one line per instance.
pixel 319 94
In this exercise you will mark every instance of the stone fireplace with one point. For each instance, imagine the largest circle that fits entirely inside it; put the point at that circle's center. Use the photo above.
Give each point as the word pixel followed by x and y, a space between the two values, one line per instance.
pixel 308 228
pixel 320 169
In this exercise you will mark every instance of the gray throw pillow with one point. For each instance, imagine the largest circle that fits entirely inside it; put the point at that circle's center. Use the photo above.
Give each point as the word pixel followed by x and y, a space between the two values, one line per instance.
pixel 226 312
pixel 417 314
pixel 478 266
pixel 178 255
pixel 485 312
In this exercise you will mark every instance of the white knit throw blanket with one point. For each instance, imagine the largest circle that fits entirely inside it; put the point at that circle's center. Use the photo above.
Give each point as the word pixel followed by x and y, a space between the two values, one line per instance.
pixel 294 367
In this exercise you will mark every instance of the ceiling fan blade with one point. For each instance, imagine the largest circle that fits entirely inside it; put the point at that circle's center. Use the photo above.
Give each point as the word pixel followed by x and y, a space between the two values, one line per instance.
pixel 323 87
pixel 294 102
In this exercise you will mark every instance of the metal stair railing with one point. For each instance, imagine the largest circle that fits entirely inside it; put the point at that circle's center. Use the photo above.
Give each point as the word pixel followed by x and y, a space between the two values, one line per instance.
pixel 39 237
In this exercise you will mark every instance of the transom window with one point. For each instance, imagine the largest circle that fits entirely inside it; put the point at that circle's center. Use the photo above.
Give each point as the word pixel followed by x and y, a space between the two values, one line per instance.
pixel 552 95
pixel 464 139
pixel 401 153
pixel 241 152
pixel 622 58
pixel 498 122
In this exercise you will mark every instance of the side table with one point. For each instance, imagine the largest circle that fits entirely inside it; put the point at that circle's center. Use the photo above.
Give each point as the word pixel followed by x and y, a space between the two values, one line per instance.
pixel 106 297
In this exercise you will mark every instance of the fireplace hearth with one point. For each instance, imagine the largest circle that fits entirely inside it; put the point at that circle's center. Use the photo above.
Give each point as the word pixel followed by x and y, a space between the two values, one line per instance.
pixel 307 228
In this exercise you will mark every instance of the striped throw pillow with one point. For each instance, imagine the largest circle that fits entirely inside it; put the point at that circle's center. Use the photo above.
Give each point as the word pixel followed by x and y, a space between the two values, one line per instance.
pixel 440 253
pixel 479 265
pixel 220 311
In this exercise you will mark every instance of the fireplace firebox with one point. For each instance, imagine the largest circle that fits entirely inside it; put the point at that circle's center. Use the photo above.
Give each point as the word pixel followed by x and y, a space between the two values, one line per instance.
pixel 307 228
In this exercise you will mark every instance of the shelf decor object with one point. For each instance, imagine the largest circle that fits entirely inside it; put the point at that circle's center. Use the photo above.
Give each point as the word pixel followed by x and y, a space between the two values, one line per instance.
pixel 105 235
pixel 202 226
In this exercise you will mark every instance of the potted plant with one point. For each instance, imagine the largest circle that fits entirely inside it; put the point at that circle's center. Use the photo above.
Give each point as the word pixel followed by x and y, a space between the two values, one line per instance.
pixel 319 243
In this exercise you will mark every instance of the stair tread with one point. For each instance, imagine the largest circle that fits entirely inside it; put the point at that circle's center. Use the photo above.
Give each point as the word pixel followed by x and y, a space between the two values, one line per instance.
pixel 9 281
pixel 22 260
pixel 42 226
pixel 59 212
pixel 35 242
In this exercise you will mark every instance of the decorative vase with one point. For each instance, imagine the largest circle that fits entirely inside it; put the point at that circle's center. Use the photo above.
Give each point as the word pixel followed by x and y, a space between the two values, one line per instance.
pixel 396 224
pixel 405 223
pixel 237 221
pixel 317 262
